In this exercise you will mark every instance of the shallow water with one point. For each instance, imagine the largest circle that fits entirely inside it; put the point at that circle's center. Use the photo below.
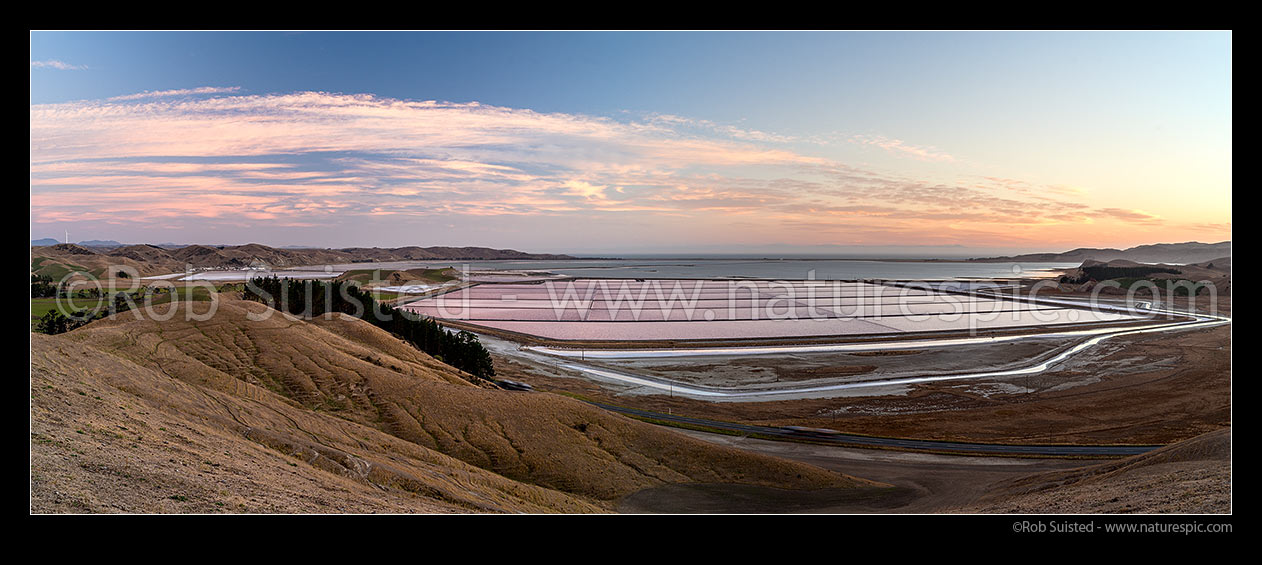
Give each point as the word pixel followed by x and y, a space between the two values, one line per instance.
pixel 773 269
pixel 245 275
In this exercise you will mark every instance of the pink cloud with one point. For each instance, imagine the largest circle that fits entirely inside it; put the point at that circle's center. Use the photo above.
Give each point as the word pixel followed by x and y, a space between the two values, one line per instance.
pixel 312 157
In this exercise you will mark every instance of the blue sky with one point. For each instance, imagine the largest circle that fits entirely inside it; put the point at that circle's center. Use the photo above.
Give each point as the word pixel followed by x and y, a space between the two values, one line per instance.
pixel 1129 135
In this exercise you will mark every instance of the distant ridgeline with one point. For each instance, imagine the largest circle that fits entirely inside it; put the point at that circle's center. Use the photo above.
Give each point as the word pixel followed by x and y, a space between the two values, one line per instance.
pixel 314 298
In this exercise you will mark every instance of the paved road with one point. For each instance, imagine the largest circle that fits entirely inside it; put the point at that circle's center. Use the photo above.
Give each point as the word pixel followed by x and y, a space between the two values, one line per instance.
pixel 913 444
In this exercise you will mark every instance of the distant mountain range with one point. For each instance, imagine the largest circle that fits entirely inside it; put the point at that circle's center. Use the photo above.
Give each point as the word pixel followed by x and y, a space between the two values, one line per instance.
pixel 1168 253
pixel 89 243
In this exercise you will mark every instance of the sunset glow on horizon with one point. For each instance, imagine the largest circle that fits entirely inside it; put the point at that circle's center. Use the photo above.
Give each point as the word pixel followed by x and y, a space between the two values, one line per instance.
pixel 1126 147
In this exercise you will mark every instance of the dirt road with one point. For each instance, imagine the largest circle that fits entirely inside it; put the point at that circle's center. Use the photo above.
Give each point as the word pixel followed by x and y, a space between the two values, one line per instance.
pixel 923 483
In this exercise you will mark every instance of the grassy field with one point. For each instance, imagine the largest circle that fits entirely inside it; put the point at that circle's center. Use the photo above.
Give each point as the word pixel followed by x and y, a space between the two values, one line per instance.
pixel 56 270
pixel 359 275
pixel 41 306
pixel 440 275
pixel 436 275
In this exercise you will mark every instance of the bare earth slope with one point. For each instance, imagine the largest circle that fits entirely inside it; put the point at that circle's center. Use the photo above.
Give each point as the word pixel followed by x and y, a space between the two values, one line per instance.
pixel 345 385
pixel 1192 476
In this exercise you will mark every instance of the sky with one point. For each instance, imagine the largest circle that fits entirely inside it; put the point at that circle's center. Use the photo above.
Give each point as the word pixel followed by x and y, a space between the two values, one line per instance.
pixel 626 142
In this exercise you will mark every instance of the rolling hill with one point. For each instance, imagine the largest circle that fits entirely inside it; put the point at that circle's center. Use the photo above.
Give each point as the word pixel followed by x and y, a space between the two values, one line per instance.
pixel 60 259
pixel 229 414
pixel 1214 273
pixel 64 259
pixel 1192 476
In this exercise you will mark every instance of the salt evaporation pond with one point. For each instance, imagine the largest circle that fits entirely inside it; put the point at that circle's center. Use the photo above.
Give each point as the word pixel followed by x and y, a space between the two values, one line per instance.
pixel 601 309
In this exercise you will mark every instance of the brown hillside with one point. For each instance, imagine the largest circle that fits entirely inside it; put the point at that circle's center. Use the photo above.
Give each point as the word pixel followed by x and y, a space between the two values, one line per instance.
pixel 146 253
pixel 204 256
pixel 1192 476
pixel 108 435
pixel 1216 273
pixel 56 260
pixel 69 249
pixel 347 368
pixel 1221 264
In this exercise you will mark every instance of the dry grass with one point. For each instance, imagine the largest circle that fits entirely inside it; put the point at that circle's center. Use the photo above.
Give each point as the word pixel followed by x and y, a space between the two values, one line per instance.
pixel 109 435
pixel 351 405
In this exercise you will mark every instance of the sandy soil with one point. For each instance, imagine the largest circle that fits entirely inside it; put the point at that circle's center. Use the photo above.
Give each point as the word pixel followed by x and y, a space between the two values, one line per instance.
pixel 817 368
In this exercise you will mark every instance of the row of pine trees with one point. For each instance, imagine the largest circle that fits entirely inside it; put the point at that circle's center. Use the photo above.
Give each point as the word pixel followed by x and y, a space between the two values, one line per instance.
pixel 310 299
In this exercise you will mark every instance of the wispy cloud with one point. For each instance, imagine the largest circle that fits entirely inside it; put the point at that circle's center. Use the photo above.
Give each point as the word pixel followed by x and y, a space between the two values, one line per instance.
pixel 178 92
pixel 200 160
pixel 1129 215
pixel 708 127
pixel 901 147
pixel 57 65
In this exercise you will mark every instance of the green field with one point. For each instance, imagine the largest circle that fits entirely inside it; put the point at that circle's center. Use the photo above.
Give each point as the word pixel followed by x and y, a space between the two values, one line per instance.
pixel 41 306
pixel 56 270
pixel 439 275
pixel 359 275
